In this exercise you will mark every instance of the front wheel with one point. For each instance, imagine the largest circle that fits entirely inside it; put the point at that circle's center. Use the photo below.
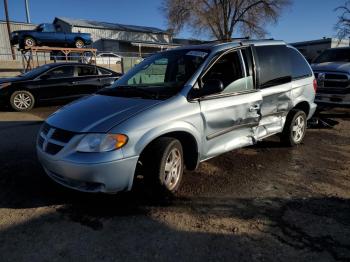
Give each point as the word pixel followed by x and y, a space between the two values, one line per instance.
pixel 29 41
pixel 79 43
pixel 295 128
pixel 22 101
pixel 164 165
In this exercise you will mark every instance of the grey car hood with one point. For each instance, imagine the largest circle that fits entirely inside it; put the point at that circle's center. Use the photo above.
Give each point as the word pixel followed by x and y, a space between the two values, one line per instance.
pixel 98 113
pixel 332 66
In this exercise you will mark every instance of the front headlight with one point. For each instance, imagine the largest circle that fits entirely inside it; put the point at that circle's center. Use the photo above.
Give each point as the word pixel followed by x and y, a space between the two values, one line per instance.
pixel 102 142
pixel 3 85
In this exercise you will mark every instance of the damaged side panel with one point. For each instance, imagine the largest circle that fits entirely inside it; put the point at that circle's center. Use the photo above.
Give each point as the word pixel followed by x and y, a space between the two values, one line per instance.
pixel 277 101
pixel 229 122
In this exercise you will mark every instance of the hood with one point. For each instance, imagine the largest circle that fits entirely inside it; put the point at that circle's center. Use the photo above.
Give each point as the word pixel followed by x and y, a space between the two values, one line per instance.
pixel 332 66
pixel 98 113
pixel 22 31
pixel 11 79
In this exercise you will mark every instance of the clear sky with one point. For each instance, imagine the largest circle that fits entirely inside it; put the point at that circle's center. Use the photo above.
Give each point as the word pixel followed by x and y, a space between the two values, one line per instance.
pixel 304 20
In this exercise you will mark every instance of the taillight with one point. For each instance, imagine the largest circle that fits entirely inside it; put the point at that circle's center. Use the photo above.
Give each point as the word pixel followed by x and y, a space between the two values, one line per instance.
pixel 315 85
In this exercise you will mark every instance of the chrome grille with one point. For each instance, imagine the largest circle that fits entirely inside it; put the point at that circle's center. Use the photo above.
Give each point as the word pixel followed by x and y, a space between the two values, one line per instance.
pixel 332 80
pixel 52 140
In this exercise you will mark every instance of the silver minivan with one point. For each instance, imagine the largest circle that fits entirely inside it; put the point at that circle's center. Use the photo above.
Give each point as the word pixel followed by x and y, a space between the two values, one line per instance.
pixel 176 109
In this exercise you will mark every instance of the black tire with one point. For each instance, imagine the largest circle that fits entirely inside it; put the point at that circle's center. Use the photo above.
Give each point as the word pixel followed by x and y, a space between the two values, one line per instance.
pixel 22 101
pixel 29 41
pixel 79 43
pixel 290 136
pixel 157 157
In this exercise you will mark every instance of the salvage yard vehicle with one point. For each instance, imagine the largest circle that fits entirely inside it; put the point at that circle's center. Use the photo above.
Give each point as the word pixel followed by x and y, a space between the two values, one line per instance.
pixel 56 81
pixel 176 109
pixel 332 71
pixel 51 35
pixel 108 58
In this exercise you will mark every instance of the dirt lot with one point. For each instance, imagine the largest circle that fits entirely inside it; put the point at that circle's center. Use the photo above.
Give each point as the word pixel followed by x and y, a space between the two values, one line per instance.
pixel 263 203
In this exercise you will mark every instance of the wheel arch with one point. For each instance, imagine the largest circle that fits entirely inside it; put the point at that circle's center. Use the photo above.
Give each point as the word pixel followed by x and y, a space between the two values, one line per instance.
pixel 303 106
pixel 79 38
pixel 189 145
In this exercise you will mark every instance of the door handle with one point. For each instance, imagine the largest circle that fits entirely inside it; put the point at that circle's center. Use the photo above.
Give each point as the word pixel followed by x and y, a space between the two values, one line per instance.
pixel 255 107
pixel 73 83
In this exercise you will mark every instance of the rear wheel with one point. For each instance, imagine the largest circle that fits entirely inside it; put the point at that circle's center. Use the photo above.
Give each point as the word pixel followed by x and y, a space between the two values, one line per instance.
pixel 164 165
pixel 79 43
pixel 22 101
pixel 294 128
pixel 29 41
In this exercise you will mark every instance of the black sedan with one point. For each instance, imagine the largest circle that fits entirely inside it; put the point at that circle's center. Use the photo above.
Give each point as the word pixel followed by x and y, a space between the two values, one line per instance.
pixel 58 81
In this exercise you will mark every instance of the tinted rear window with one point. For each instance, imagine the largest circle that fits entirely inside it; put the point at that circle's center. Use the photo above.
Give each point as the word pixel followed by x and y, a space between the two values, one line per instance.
pixel 300 68
pixel 280 64
pixel 273 64
pixel 86 71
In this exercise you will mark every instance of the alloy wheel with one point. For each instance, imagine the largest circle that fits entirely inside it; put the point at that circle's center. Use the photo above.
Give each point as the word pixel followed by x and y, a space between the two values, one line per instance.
pixel 173 168
pixel 298 128
pixel 79 44
pixel 29 42
pixel 22 101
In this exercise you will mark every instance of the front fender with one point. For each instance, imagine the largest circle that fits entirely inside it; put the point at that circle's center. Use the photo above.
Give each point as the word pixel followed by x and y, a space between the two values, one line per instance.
pixel 177 126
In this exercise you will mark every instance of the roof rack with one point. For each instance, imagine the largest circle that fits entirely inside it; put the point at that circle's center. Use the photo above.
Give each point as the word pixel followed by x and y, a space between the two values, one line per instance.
pixel 224 41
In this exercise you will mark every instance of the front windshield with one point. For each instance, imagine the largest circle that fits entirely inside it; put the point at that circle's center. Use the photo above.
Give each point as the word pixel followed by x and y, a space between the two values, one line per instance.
pixel 161 75
pixel 36 71
pixel 334 55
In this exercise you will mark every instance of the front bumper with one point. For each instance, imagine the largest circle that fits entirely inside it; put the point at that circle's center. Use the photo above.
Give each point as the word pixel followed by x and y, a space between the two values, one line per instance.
pixel 336 100
pixel 106 177
pixel 14 40
pixel 312 111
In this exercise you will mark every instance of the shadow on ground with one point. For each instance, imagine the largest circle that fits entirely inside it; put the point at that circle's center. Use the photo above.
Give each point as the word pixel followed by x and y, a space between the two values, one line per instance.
pixel 225 211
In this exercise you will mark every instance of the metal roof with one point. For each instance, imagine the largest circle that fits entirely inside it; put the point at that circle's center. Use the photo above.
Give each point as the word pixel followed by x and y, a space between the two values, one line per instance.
pixel 110 26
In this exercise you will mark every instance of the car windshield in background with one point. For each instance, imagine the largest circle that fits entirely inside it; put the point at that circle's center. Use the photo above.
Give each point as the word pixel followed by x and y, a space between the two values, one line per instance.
pixel 159 76
pixel 36 71
pixel 334 55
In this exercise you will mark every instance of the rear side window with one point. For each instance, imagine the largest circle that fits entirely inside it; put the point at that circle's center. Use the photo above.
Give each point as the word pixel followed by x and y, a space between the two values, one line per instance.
pixel 104 71
pixel 300 67
pixel 275 68
pixel 86 71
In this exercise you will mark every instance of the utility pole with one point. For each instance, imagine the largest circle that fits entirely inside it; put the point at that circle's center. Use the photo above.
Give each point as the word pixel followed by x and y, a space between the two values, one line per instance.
pixel 27 11
pixel 9 29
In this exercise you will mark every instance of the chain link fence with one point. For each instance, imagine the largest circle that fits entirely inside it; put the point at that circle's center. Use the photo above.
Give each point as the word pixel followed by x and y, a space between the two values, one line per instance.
pixel 116 61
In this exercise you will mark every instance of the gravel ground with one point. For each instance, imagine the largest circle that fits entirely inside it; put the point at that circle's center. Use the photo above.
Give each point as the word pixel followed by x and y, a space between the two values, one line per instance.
pixel 262 203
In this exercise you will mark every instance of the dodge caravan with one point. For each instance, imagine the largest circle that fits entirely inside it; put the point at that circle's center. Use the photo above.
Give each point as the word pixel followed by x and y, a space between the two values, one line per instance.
pixel 176 109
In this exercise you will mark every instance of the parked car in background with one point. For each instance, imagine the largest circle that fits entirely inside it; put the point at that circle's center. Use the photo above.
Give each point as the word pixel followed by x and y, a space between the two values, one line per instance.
pixel 176 109
pixel 55 81
pixel 332 71
pixel 107 58
pixel 50 35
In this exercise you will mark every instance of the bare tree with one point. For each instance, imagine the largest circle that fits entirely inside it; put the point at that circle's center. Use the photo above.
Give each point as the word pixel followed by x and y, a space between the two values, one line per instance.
pixel 222 18
pixel 343 24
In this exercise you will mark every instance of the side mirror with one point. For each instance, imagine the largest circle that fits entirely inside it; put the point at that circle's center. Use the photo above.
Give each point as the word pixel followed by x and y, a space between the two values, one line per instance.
pixel 210 87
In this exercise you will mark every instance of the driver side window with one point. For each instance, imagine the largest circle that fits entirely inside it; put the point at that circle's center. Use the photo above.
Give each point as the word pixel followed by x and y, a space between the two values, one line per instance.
pixel 230 71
